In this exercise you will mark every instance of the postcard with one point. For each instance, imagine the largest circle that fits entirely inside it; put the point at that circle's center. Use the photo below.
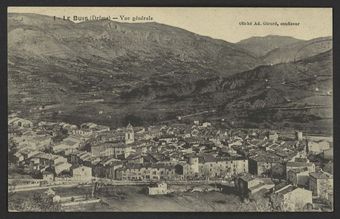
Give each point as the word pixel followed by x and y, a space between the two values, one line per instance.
pixel 164 109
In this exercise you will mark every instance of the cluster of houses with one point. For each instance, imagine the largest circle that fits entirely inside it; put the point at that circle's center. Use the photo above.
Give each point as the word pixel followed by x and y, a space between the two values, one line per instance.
pixel 254 159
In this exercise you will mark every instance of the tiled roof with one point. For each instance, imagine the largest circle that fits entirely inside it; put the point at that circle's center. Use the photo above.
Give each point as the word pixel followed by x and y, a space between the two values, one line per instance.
pixel 286 189
pixel 321 175
pixel 298 164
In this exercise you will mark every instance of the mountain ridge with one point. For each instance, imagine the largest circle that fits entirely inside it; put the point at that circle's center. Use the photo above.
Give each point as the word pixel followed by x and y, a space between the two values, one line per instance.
pixel 113 72
pixel 299 50
pixel 261 45
pixel 184 45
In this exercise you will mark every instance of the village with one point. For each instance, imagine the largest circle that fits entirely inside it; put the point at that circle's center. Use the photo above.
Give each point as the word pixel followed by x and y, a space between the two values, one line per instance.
pixel 293 171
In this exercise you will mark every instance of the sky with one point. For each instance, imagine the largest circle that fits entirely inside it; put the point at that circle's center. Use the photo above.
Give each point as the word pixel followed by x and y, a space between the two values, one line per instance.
pixel 218 23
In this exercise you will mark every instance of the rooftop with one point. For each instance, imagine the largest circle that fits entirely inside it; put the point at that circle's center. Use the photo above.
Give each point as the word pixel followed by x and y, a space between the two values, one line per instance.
pixel 298 164
pixel 286 189
pixel 321 175
pixel 247 177
pixel 261 156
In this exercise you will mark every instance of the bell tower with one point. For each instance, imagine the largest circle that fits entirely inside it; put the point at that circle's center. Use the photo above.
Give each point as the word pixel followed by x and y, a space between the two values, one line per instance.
pixel 129 134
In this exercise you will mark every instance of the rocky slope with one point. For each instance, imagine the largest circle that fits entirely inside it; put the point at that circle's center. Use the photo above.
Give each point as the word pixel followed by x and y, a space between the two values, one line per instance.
pixel 110 72
pixel 296 94
pixel 58 65
pixel 145 48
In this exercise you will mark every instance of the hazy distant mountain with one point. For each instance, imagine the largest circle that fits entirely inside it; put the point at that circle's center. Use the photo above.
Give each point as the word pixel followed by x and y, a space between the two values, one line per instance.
pixel 260 46
pixel 281 49
pixel 299 50
pixel 110 73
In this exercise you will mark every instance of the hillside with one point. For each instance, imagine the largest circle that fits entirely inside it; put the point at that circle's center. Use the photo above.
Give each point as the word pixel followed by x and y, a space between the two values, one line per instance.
pixel 260 46
pixel 111 73
pixel 138 48
pixel 58 67
pixel 298 51
pixel 296 94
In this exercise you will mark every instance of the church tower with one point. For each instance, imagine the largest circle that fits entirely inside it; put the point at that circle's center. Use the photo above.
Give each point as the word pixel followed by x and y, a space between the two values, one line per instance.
pixel 129 134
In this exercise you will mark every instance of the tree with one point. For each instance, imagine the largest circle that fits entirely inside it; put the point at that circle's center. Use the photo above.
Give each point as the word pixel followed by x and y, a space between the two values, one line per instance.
pixel 60 135
pixel 260 205
pixel 45 202
pixel 39 202
pixel 278 171
pixel 12 147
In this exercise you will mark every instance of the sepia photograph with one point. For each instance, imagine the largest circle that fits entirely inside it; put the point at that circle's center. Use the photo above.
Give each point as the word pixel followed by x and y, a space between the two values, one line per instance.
pixel 165 109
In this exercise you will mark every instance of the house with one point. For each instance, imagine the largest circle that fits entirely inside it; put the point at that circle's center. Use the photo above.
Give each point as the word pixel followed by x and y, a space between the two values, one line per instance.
pixel 318 146
pixel 212 167
pixel 190 170
pixel 247 184
pixel 167 139
pixel 328 154
pixel 83 158
pixel 152 132
pixel 298 177
pixel 273 136
pixel 298 136
pixel 75 138
pixel 148 172
pixel 68 127
pixel 101 128
pixel 18 157
pixel 19 122
pixel 321 184
pixel 77 157
pixel 89 128
pixel 24 154
pixel 43 160
pixel 82 173
pixel 106 168
pixel 135 158
pixel 82 132
pixel 32 140
pixel 122 150
pixel 66 144
pixel 88 125
pixel 62 167
pixel 262 163
pixel 41 141
pixel 329 167
pixel 291 198
pixel 158 189
pixel 304 165
pixel 116 149
pixel 206 124
pixel 330 199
